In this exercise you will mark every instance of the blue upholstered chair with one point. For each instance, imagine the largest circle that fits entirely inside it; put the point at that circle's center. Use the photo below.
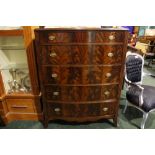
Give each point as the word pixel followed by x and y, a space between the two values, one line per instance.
pixel 140 96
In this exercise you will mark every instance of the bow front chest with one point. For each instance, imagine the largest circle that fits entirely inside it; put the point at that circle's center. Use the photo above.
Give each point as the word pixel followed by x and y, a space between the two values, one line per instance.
pixel 80 72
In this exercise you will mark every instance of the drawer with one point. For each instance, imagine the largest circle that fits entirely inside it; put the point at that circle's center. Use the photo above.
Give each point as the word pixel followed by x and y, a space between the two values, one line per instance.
pixel 99 93
pixel 81 93
pixel 107 108
pixel 73 93
pixel 80 110
pixel 107 54
pixel 64 55
pixel 81 36
pixel 109 92
pixel 71 55
pixel 20 105
pixel 65 36
pixel 80 74
pixel 109 36
pixel 111 74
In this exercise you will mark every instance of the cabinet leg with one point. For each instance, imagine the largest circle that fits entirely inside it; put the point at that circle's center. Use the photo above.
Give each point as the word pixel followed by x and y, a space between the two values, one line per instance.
pixel 115 121
pixel 2 123
pixel 45 122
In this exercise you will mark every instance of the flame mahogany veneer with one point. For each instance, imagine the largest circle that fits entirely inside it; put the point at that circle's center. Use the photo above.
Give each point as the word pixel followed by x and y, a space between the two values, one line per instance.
pixel 80 72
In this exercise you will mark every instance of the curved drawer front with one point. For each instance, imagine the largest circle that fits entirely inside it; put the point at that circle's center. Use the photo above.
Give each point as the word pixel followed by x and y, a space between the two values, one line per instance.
pixel 81 37
pixel 80 110
pixel 81 93
pixel 76 55
pixel 81 74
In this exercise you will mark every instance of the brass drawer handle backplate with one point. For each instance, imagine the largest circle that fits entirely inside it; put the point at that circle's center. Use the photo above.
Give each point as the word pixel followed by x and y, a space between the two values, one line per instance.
pixel 107 93
pixel 110 54
pixel 105 109
pixel 54 75
pixel 53 54
pixel 108 75
pixel 57 109
pixel 111 37
pixel 55 93
pixel 51 38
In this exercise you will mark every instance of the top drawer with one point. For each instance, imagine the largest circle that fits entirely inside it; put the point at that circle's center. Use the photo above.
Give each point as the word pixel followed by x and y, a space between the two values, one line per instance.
pixel 81 37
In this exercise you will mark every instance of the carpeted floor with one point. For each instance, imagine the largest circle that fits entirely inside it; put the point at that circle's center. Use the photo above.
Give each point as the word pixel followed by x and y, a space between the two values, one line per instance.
pixel 130 120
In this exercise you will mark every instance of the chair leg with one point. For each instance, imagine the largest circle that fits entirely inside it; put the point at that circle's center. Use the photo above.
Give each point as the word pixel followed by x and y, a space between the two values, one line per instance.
pixel 126 105
pixel 145 116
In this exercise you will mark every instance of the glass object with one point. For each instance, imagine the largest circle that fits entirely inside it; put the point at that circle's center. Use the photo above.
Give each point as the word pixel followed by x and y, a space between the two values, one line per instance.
pixel 13 65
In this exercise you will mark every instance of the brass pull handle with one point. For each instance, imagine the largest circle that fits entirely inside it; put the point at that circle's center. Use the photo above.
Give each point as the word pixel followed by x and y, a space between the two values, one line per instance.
pixel 53 54
pixel 108 75
pixel 16 106
pixel 111 37
pixel 105 109
pixel 51 38
pixel 55 93
pixel 110 54
pixel 107 93
pixel 54 75
pixel 57 109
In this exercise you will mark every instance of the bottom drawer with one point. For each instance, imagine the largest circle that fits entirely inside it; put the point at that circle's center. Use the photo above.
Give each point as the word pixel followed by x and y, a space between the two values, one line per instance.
pixel 81 110
pixel 20 105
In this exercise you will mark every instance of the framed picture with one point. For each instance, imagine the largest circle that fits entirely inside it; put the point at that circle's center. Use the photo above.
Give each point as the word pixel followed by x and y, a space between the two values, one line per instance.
pixel 142 30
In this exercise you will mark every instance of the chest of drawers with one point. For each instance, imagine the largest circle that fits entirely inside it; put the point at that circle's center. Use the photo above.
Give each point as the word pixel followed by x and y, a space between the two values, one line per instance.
pixel 80 72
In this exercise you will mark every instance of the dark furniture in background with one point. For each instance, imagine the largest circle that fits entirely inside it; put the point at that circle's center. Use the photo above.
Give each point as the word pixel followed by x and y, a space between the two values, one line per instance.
pixel 80 72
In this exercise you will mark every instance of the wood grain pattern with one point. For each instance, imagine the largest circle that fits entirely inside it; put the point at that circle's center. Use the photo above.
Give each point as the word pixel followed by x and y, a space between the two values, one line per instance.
pixel 65 55
pixel 63 37
pixel 28 40
pixel 81 93
pixel 81 55
pixel 80 72
pixel 20 105
pixel 100 54
pixel 80 110
pixel 104 36
pixel 80 36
